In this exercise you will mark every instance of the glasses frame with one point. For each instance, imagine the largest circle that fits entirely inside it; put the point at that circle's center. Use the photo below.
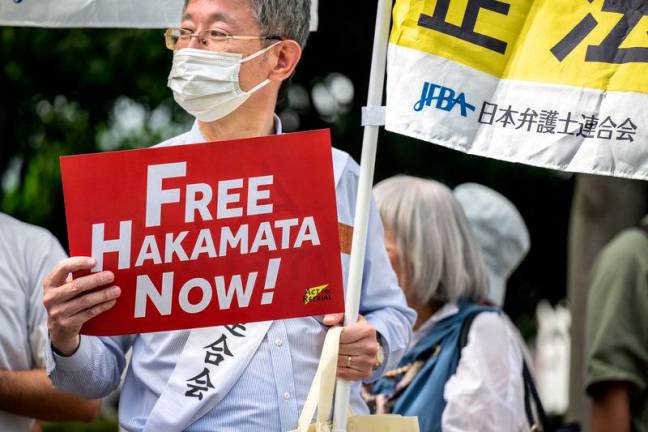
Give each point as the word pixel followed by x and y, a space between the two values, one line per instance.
pixel 168 37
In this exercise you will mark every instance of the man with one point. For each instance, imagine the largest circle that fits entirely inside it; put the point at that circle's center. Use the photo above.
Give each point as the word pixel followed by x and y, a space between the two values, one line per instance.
pixel 617 334
pixel 230 60
pixel 26 254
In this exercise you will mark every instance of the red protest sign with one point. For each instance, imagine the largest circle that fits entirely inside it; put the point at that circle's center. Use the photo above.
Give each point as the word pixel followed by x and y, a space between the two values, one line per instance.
pixel 209 234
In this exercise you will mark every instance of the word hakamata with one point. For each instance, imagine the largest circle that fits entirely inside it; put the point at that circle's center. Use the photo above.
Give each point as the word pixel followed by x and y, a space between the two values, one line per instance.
pixel 215 242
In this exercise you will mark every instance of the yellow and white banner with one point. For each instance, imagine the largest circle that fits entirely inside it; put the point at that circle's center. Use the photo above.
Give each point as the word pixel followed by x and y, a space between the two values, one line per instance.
pixel 99 13
pixel 561 84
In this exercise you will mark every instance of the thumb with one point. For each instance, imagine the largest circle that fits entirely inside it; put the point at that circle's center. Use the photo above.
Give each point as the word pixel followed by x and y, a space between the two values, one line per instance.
pixel 333 319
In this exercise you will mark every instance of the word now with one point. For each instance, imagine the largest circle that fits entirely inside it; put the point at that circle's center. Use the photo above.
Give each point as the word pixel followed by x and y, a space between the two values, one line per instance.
pixel 162 299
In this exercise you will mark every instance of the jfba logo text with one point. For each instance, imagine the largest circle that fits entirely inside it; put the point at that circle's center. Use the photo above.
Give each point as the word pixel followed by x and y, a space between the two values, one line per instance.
pixel 445 99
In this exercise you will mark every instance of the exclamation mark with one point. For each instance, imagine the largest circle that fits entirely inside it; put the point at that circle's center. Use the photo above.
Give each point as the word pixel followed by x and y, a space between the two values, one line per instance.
pixel 270 281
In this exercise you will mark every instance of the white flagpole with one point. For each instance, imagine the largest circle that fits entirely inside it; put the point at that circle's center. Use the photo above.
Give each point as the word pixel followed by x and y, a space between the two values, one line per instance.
pixel 363 204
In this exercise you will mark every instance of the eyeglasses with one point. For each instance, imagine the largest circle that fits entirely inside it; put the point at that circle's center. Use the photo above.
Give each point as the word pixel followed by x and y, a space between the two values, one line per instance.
pixel 178 38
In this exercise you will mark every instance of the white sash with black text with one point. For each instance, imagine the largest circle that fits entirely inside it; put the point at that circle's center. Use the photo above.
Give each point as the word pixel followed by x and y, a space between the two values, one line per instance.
pixel 211 362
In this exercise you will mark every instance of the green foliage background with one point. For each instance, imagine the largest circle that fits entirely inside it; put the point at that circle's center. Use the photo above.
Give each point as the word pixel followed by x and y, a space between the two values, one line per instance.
pixel 58 96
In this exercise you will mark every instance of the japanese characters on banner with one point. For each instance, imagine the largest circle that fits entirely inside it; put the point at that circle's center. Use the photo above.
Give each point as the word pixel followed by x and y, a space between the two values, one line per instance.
pixel 97 13
pixel 561 84
pixel 209 234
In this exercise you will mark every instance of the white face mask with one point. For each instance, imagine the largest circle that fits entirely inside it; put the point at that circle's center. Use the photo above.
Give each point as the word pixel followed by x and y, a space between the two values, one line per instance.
pixel 206 83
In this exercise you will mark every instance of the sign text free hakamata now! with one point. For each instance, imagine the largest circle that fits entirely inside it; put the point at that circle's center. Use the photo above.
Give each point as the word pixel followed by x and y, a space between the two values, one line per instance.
pixel 205 243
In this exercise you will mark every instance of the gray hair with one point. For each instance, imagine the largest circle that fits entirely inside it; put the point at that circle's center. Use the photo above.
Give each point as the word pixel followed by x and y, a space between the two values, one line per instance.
pixel 289 19
pixel 436 247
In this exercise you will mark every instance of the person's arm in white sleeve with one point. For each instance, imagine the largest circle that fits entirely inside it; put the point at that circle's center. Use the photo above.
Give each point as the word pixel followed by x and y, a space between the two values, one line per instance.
pixel 486 392
pixel 30 393
pixel 37 315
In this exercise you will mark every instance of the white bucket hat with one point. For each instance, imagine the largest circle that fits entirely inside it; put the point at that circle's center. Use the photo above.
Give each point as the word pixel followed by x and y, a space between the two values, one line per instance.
pixel 500 231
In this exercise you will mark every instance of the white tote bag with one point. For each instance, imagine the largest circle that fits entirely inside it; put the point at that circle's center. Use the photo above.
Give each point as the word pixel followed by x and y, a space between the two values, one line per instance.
pixel 320 398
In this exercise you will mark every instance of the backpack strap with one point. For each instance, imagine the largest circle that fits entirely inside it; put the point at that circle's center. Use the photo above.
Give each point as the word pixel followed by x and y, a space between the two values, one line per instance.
pixel 465 328
pixel 530 390
pixel 540 423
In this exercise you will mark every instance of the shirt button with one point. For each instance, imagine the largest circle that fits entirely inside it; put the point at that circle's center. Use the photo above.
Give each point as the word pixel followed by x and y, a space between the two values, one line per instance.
pixel 278 342
pixel 286 395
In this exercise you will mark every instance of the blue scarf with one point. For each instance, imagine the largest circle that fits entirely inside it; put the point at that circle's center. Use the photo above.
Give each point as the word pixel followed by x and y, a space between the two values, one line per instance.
pixel 423 397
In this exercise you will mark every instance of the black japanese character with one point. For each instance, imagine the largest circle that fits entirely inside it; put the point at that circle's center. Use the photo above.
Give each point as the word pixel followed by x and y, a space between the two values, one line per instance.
pixel 507 118
pixel 547 122
pixel 202 384
pixel 606 129
pixel 588 126
pixel 626 130
pixel 466 31
pixel 528 118
pixel 236 329
pixel 568 122
pixel 215 352
pixel 609 50
pixel 487 114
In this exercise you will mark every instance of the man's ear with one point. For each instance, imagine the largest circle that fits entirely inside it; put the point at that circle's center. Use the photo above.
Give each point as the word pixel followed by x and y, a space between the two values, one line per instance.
pixel 288 53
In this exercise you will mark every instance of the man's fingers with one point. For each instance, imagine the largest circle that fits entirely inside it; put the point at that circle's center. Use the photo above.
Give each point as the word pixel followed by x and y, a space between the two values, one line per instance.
pixel 351 374
pixel 94 311
pixel 90 300
pixel 333 319
pixel 77 320
pixel 356 332
pixel 83 284
pixel 365 347
pixel 346 374
pixel 58 276
pixel 361 363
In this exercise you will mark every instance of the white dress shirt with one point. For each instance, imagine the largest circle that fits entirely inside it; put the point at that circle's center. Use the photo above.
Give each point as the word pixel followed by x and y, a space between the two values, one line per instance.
pixel 27 254
pixel 270 393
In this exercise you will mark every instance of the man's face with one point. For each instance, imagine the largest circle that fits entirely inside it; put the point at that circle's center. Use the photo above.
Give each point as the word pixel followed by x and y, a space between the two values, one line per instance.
pixel 233 17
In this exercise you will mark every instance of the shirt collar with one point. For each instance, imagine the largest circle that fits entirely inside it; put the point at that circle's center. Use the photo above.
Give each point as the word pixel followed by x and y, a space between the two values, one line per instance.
pixel 195 136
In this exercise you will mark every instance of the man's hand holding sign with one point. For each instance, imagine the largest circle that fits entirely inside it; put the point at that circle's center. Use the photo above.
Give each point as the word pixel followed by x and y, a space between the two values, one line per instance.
pixel 70 302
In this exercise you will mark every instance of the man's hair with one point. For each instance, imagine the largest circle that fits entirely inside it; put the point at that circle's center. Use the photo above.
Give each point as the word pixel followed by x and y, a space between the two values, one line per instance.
pixel 436 246
pixel 289 19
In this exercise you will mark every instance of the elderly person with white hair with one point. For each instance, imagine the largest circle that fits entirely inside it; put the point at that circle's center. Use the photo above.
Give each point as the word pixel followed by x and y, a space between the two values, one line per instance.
pixel 463 369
